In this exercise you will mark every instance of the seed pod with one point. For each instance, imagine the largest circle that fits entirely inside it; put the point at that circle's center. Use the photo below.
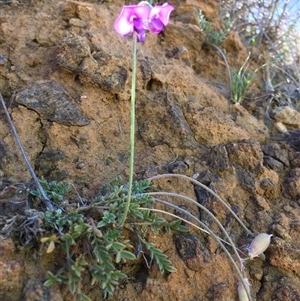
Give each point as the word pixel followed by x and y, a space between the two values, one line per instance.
pixel 259 244
pixel 242 291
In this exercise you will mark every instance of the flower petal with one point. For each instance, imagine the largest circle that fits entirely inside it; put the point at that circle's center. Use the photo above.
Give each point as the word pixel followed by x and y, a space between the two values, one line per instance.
pixel 139 29
pixel 156 26
pixel 161 12
pixel 124 24
pixel 138 25
pixel 141 37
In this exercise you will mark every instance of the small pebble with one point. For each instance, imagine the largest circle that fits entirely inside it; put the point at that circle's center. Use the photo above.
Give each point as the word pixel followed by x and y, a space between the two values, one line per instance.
pixel 2 60
pixel 77 23
pixel 80 165
pixel 280 127
pixel 288 209
pixel 280 231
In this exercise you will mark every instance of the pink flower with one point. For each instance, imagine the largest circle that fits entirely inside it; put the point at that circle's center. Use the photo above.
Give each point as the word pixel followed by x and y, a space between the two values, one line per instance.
pixel 142 17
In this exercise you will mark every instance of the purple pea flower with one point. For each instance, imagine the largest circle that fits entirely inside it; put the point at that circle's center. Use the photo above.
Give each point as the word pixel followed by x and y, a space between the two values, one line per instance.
pixel 142 17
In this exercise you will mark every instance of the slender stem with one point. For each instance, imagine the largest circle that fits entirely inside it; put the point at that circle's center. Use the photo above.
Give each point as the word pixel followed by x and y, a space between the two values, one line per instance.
pixel 36 180
pixel 182 219
pixel 195 182
pixel 227 66
pixel 204 209
pixel 132 130
pixel 215 237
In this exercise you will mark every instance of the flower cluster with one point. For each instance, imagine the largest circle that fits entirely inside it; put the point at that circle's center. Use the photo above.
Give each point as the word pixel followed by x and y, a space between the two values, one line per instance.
pixel 142 17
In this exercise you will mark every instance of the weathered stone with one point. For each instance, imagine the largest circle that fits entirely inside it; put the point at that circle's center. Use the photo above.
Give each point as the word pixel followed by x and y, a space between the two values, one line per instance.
pixel 192 252
pixel 72 51
pixel 103 69
pixel 146 69
pixel 247 154
pixel 234 44
pixel 285 293
pixel 180 53
pixel 164 108
pixel 292 139
pixel 192 42
pixel 189 7
pixel 275 151
pixel 77 23
pixel 208 200
pixel 186 14
pixel 291 186
pixel 3 152
pixel 47 162
pixel 294 173
pixel 52 102
pixel 3 60
pixel 261 202
pixel 272 163
pixel 294 159
pixel 204 197
pixel 110 77
pixel 208 124
pixel 177 167
pixel 35 290
pixel 246 179
pixel 11 272
pixel 268 185
pixel 287 115
pixel 284 256
pixel 217 158
pixel 281 231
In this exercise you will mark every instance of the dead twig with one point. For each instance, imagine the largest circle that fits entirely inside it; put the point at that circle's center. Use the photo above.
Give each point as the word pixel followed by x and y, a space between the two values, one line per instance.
pixel 30 169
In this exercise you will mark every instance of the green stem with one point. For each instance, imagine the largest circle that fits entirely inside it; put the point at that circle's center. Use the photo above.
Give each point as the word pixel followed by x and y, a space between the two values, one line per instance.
pixel 132 130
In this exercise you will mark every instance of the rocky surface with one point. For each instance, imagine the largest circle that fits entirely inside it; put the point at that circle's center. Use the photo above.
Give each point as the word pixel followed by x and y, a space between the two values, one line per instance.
pixel 66 78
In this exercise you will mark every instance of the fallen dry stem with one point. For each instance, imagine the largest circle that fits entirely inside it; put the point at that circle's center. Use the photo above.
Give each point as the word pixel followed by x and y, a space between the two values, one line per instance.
pixel 37 182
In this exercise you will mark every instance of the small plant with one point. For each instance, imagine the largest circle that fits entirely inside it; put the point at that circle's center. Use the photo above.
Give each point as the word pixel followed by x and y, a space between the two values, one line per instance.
pixel 241 80
pixel 97 245
pixel 96 258
pixel 240 84
pixel 273 27
pixel 212 36
pixel 54 190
